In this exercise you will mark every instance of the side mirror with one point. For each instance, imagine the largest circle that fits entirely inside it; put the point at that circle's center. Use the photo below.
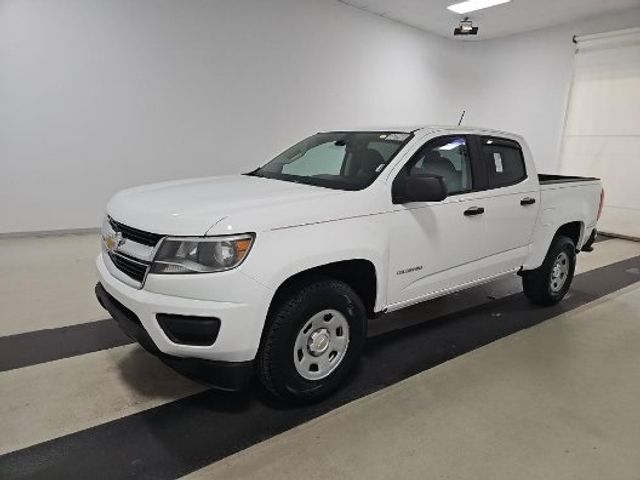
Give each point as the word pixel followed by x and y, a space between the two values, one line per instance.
pixel 421 188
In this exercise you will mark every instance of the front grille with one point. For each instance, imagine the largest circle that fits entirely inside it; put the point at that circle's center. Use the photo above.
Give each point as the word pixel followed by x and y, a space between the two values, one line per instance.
pixel 134 251
pixel 135 269
pixel 133 234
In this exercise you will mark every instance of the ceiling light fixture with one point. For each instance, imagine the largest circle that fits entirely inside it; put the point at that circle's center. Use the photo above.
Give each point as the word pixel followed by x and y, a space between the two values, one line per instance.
pixel 473 5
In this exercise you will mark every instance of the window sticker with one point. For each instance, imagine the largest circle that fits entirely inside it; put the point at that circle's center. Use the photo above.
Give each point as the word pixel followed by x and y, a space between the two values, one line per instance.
pixel 497 159
pixel 379 168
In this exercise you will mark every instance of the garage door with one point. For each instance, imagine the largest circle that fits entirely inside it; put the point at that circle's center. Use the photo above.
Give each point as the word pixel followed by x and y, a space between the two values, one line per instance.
pixel 602 132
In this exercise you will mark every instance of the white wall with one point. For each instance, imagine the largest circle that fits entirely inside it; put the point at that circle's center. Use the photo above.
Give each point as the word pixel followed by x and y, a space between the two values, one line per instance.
pixel 101 95
pixel 521 83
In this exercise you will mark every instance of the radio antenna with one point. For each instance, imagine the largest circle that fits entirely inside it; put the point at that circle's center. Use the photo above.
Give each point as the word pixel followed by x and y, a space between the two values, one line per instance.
pixel 461 117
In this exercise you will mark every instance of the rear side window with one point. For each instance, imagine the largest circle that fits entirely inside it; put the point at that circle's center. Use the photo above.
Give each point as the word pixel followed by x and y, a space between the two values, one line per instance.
pixel 504 160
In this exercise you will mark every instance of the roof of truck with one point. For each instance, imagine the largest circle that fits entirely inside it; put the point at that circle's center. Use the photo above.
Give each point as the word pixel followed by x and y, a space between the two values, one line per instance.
pixel 425 129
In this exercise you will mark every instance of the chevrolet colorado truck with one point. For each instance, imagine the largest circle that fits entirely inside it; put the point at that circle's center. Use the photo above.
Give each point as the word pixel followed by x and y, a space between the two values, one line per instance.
pixel 276 272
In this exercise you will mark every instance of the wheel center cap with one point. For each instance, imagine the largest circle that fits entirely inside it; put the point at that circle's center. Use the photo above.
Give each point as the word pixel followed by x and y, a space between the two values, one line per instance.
pixel 318 342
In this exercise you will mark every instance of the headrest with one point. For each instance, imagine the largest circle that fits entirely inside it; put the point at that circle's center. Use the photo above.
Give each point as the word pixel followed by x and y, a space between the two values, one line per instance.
pixel 436 161
pixel 368 160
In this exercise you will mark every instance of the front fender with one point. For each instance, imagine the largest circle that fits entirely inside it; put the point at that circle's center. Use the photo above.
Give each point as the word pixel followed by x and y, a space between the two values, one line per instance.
pixel 279 254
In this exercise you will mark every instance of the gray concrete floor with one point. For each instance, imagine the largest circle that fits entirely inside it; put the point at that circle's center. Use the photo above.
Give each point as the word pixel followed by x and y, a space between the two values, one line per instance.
pixel 47 282
pixel 559 400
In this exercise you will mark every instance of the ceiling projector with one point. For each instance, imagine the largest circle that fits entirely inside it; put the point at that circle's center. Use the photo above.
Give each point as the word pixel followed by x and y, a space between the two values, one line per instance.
pixel 466 28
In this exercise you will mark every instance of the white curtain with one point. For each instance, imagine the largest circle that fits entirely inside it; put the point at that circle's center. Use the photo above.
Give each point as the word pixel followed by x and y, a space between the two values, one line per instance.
pixel 602 131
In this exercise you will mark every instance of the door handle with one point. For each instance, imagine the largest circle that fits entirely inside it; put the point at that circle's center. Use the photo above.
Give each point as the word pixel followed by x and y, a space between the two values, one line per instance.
pixel 474 211
pixel 527 201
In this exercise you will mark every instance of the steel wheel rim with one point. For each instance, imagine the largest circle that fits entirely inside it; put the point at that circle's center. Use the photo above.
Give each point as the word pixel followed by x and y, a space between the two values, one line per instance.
pixel 321 344
pixel 559 272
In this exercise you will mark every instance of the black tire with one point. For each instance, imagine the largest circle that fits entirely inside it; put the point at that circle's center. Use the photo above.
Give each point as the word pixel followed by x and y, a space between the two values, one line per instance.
pixel 538 284
pixel 275 360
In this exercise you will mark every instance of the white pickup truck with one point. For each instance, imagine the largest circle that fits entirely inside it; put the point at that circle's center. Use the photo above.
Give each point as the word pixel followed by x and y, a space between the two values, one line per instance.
pixel 276 272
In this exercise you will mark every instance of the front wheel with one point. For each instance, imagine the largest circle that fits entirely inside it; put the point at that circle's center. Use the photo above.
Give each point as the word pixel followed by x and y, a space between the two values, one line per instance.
pixel 549 283
pixel 312 341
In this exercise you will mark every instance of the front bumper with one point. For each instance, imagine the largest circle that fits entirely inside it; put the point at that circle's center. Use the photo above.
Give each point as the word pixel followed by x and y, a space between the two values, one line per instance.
pixel 224 375
pixel 242 314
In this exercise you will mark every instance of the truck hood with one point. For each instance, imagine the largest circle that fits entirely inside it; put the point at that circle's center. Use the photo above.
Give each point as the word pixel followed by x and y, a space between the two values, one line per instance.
pixel 193 207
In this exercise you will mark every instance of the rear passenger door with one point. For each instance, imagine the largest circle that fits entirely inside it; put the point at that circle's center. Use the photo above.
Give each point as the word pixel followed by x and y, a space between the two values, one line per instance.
pixel 512 201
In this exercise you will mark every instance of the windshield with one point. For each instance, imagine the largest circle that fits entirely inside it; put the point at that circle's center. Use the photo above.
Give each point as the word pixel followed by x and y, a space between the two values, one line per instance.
pixel 340 160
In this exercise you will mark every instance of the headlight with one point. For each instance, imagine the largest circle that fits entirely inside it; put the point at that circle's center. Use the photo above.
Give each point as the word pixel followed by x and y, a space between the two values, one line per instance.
pixel 201 255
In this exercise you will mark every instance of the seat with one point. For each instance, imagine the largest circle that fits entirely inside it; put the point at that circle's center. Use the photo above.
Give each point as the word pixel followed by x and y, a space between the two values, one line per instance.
pixel 435 164
pixel 366 162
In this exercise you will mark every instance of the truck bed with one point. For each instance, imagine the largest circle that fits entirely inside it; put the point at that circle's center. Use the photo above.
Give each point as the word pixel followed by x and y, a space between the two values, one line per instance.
pixel 546 179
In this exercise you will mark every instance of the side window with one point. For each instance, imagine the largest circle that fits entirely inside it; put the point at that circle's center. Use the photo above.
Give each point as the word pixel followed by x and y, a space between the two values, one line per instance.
pixel 504 160
pixel 447 157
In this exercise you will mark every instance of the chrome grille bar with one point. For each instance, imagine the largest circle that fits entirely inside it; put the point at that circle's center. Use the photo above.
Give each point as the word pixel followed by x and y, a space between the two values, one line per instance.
pixel 131 251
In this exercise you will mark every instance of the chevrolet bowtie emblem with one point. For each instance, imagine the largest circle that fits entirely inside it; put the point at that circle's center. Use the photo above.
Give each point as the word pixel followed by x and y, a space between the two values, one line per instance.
pixel 112 240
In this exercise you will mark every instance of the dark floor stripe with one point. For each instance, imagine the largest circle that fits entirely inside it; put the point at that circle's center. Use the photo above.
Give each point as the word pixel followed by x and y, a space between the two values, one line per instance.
pixel 41 346
pixel 179 437
pixel 31 348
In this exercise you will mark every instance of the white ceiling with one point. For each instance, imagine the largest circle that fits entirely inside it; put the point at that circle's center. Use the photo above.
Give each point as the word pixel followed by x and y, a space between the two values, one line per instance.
pixel 514 17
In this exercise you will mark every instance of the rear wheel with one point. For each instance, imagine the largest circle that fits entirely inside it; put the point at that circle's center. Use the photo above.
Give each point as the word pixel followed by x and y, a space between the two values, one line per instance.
pixel 312 341
pixel 549 283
